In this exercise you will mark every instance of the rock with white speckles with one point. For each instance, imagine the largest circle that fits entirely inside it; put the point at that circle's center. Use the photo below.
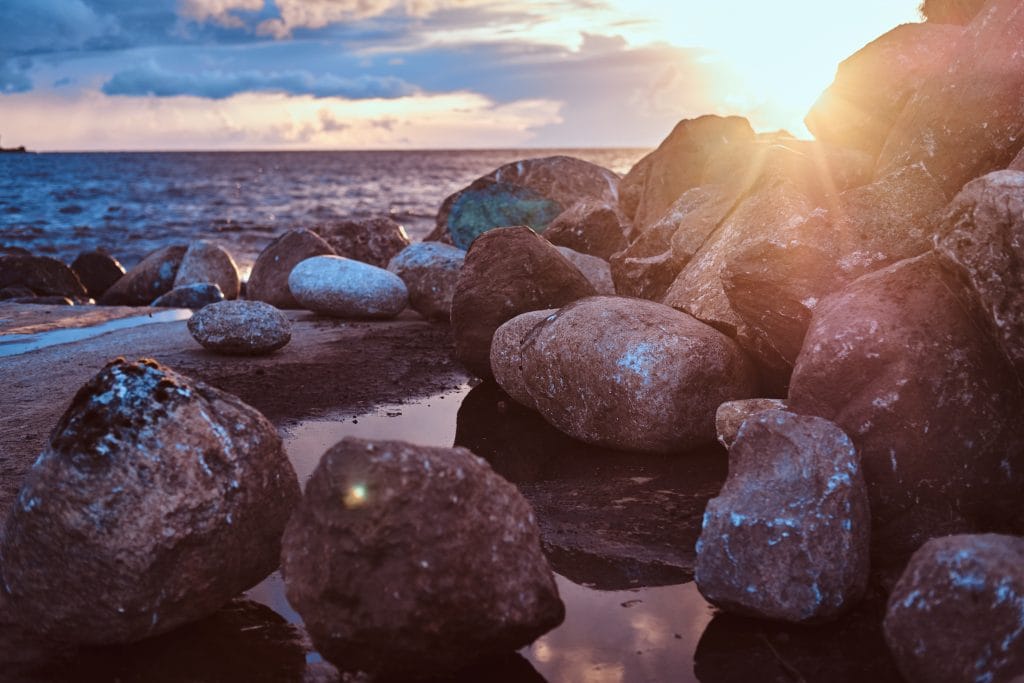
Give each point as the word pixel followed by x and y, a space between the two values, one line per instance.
pixel 731 414
pixel 151 277
pixel 596 270
pixel 788 536
pixel 245 328
pixel 409 562
pixel 157 500
pixel 627 374
pixel 346 288
pixel 957 613
pixel 430 271
pixel 269 278
pixel 207 261
pixel 373 240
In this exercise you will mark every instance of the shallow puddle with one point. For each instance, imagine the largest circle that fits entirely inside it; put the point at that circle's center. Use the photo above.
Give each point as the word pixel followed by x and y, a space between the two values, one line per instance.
pixel 14 344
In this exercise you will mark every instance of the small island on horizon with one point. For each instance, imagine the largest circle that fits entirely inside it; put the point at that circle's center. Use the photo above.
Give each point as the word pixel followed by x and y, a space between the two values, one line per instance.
pixel 13 150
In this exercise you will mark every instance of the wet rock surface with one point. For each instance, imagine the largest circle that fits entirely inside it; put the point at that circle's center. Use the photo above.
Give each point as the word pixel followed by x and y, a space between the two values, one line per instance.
pixel 156 501
pixel 97 271
pixel 208 262
pixel 150 278
pixel 269 278
pixel 589 227
pixel 596 270
pixel 41 276
pixel 190 296
pixel 407 561
pixel 248 328
pixel 957 613
pixel 370 240
pixel 430 271
pixel 345 288
pixel 732 414
pixel 788 536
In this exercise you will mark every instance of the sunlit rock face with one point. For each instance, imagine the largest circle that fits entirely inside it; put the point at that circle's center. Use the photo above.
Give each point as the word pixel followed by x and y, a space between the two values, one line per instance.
pixel 902 363
pixel 968 119
pixel 208 262
pixel 507 271
pixel 788 536
pixel 596 270
pixel 346 288
pixel 982 239
pixel 531 192
pixel 872 85
pixel 957 613
pixel 408 562
pixel 589 227
pixel 372 240
pixel 268 281
pixel 152 276
pixel 625 373
pixel 951 11
pixel 157 500
pixel 430 271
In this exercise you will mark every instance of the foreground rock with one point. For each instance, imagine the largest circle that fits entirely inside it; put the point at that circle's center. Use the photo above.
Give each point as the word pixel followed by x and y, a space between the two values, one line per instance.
pixel 152 277
pixel 508 271
pixel 627 374
pixel 41 276
pixel 951 11
pixel 190 296
pixel 430 271
pixel 596 270
pixel 732 414
pixel 957 613
pixel 589 227
pixel 788 536
pixel 207 261
pixel 344 288
pixel 408 562
pixel 157 500
pixel 98 271
pixel 370 240
pixel 246 328
pixel 269 278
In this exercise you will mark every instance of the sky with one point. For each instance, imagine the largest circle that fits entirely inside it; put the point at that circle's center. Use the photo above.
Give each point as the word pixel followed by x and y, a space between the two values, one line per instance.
pixel 413 74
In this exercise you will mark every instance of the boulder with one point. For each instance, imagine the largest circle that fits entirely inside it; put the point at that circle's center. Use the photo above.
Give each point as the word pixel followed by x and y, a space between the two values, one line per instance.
pixel 951 11
pixel 97 271
pixel 967 119
pixel 269 278
pixel 902 364
pixel 157 500
pixel 41 300
pixel 190 296
pixel 957 613
pixel 345 288
pixel 732 414
pixel 42 275
pixel 788 536
pixel 507 271
pixel 247 328
pixel 589 227
pixel 408 562
pixel 152 276
pixel 596 270
pixel 370 240
pixel 430 271
pixel 871 87
pixel 627 374
pixel 209 262
pixel 16 292
pixel 507 353
pixel 981 238
pixel 530 192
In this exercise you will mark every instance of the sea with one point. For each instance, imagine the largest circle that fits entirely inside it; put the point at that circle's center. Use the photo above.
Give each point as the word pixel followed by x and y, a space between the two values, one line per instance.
pixel 59 204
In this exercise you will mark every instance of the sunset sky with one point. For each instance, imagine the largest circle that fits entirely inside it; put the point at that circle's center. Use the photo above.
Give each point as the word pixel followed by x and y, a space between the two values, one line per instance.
pixel 396 74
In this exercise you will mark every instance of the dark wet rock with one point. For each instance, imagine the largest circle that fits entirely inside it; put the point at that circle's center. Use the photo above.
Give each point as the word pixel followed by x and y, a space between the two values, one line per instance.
pixel 208 262
pixel 507 353
pixel 957 613
pixel 370 240
pixel 629 374
pixel 43 275
pixel 677 165
pixel 152 277
pixel 42 300
pixel 11 250
pixel 530 192
pixel 15 292
pixel 97 271
pixel 596 270
pixel 902 364
pixel 982 239
pixel 872 86
pixel 951 11
pixel 731 414
pixel 345 288
pixel 157 500
pixel 269 278
pixel 589 227
pixel 788 536
pixel 190 296
pixel 508 271
pixel 966 120
pixel 407 562
pixel 248 328
pixel 430 271
pixel 609 519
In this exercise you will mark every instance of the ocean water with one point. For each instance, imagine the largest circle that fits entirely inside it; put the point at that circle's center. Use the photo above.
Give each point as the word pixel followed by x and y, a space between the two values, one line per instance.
pixel 131 203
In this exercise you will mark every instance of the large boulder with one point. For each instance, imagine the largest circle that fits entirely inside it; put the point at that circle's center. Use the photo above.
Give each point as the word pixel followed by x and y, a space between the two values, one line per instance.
pixel 731 415
pixel 345 288
pixel 626 373
pixel 207 261
pixel 951 11
pixel 430 271
pixel 43 275
pixel 871 87
pixel 902 363
pixel 530 192
pixel 589 227
pixel 244 328
pixel 957 613
pixel 269 278
pixel 370 240
pixel 507 353
pixel 788 536
pixel 157 500
pixel 97 270
pixel 408 562
pixel 153 276
pixel 968 119
pixel 507 271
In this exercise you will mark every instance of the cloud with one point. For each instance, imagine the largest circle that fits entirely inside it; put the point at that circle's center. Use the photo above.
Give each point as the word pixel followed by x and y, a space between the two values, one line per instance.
pixel 219 11
pixel 150 79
